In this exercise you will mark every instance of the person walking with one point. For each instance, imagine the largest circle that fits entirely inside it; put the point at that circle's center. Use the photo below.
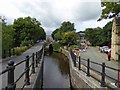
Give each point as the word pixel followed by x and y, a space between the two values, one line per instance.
pixel 109 55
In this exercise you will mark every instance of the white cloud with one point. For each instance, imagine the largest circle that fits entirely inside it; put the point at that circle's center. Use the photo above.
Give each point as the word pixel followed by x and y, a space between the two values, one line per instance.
pixel 51 13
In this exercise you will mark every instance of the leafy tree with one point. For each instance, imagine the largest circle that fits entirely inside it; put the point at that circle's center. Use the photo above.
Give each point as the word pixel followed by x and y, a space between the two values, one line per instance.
pixel 70 38
pixel 27 29
pixel 7 35
pixel 110 10
pixel 98 36
pixel 65 27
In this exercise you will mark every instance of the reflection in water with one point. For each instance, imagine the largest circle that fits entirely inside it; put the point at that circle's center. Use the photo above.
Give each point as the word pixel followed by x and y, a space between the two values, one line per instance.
pixel 56 71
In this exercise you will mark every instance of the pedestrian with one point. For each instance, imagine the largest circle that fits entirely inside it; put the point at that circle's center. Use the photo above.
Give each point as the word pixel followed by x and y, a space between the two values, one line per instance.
pixel 109 55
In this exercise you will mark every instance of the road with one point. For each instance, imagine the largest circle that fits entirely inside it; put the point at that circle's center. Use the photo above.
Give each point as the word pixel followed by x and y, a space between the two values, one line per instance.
pixel 94 55
pixel 19 69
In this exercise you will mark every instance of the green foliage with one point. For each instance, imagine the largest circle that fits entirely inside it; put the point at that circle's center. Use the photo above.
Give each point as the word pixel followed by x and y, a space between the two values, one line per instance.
pixel 66 34
pixel 74 46
pixel 65 27
pixel 7 36
pixel 70 38
pixel 110 10
pixel 56 46
pixel 98 36
pixel 27 29
pixel 19 50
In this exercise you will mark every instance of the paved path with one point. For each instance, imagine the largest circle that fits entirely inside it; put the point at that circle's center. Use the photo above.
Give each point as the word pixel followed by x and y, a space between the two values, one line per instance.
pixel 94 55
pixel 19 69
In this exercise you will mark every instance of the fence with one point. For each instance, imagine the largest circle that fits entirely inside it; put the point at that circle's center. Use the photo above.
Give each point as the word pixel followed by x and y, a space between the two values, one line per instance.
pixel 102 72
pixel 11 68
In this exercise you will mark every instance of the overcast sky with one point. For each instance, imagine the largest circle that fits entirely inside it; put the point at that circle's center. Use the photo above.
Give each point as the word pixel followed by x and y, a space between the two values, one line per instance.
pixel 51 13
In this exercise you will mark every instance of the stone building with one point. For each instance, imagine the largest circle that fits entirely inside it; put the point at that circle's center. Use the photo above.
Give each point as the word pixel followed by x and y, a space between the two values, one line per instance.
pixel 115 45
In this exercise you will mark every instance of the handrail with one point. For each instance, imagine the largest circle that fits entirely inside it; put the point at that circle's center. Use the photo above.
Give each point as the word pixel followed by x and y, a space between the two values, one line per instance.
pixel 11 68
pixel 102 72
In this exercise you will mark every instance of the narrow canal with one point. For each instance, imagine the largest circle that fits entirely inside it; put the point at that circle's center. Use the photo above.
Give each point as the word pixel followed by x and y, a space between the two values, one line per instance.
pixel 56 71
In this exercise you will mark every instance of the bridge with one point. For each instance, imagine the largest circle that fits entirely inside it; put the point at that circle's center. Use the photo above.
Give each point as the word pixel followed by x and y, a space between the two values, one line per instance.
pixel 80 71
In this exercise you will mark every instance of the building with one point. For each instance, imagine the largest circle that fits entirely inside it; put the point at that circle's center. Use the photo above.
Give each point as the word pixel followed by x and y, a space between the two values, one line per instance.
pixel 115 45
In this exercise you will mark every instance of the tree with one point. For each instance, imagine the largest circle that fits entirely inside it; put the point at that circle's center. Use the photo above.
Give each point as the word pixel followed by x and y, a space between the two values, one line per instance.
pixel 7 35
pixel 70 38
pixel 27 29
pixel 110 10
pixel 65 27
pixel 98 36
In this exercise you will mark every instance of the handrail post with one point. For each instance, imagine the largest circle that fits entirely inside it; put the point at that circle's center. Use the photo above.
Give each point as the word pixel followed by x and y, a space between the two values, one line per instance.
pixel 33 63
pixel 118 84
pixel 88 67
pixel 11 85
pixel 79 67
pixel 38 56
pixel 27 78
pixel 9 52
pixel 4 53
pixel 13 51
pixel 36 59
pixel 103 75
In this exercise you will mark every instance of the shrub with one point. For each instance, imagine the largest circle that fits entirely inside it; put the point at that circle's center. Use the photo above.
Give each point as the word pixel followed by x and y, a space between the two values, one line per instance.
pixel 56 46
pixel 74 46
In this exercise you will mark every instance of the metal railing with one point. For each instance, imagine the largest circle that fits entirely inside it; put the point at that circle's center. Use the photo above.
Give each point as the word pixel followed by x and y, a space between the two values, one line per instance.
pixel 11 83
pixel 103 74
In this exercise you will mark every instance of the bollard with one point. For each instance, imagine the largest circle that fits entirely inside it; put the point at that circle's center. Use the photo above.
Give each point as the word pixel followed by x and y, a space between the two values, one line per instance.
pixel 11 85
pixel 36 59
pixel 88 67
pixel 27 78
pixel 103 75
pixel 33 63
pixel 79 63
pixel 9 53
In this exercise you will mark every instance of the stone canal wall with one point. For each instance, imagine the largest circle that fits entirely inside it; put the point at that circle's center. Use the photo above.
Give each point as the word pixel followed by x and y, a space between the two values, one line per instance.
pixel 78 78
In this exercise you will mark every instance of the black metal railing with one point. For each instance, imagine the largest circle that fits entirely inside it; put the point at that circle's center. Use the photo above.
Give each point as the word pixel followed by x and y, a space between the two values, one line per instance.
pixel 102 72
pixel 29 64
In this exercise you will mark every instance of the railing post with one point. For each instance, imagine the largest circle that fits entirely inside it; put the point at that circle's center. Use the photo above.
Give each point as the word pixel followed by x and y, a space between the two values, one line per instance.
pixel 88 67
pixel 13 51
pixel 27 78
pixel 9 52
pixel 4 53
pixel 38 56
pixel 33 63
pixel 36 59
pixel 103 75
pixel 118 84
pixel 79 63
pixel 11 85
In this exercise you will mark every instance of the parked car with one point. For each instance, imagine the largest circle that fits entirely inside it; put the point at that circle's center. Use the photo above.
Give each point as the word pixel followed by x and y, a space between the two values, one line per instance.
pixel 105 49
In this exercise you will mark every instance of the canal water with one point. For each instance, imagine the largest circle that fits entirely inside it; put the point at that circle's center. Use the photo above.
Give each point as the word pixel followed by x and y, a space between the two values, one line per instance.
pixel 56 71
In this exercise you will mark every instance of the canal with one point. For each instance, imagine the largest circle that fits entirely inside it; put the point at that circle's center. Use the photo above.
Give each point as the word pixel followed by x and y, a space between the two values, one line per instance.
pixel 56 71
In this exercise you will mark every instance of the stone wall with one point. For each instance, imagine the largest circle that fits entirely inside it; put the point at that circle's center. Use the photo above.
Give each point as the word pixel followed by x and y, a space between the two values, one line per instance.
pixel 78 78
pixel 115 45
